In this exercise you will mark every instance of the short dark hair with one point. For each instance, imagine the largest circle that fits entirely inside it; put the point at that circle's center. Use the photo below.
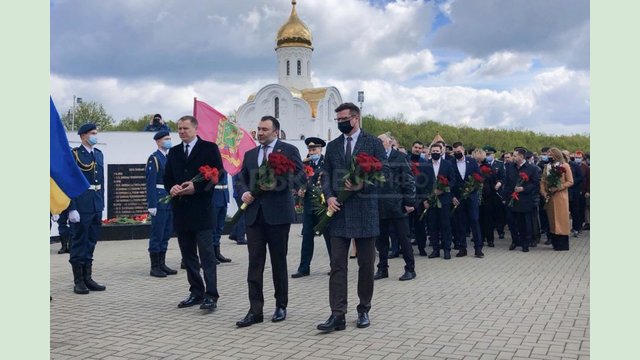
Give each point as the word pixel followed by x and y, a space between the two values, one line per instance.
pixel 457 144
pixel 157 116
pixel 520 151
pixel 545 149
pixel 274 121
pixel 353 108
pixel 436 144
pixel 192 119
pixel 417 142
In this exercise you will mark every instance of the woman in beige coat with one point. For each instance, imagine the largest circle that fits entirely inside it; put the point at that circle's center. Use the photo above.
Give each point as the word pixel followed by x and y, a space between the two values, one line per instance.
pixel 558 200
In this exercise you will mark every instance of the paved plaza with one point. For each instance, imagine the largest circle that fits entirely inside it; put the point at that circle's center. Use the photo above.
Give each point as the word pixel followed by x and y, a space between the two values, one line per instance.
pixel 509 305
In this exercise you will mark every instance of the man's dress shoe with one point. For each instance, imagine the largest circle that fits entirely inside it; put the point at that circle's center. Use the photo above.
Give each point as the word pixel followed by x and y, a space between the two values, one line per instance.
pixel 363 320
pixel 335 322
pixel 190 301
pixel 299 275
pixel 208 304
pixel 249 320
pixel 408 275
pixel 279 315
pixel 380 274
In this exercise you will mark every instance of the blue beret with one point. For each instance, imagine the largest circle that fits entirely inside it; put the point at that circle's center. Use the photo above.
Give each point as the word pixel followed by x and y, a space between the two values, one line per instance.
pixel 160 134
pixel 86 128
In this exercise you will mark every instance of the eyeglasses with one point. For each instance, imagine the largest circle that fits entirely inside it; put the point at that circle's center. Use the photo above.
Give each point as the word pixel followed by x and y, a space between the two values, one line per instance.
pixel 344 118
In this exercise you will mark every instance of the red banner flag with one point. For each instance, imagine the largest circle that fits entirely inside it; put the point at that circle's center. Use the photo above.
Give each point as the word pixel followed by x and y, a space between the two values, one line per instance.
pixel 232 140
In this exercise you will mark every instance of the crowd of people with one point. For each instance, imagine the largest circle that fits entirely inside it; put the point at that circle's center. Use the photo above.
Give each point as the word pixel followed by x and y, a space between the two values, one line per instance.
pixel 435 194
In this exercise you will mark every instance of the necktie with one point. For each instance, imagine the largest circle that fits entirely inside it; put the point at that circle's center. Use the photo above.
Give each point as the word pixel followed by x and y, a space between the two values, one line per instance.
pixel 347 153
pixel 186 151
pixel 264 154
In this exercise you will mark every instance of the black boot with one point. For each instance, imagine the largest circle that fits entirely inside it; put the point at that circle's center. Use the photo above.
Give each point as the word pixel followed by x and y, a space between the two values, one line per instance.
pixel 79 287
pixel 163 265
pixel 156 270
pixel 64 244
pixel 219 256
pixel 92 285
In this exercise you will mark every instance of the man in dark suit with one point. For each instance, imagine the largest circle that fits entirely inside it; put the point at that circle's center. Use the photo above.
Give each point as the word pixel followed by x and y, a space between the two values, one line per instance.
pixel 439 218
pixel 467 213
pixel 520 211
pixel 268 219
pixel 396 199
pixel 192 211
pixel 491 208
pixel 85 211
pixel 417 163
pixel 357 218
pixel 315 160
pixel 161 215
pixel 576 204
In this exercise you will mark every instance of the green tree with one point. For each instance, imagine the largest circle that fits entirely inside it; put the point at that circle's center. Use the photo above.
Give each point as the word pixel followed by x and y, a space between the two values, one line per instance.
pixel 87 112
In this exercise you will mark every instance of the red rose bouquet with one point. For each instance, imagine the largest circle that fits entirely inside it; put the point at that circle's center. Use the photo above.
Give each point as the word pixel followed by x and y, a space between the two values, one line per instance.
pixel 473 183
pixel 554 179
pixel 522 178
pixel 443 185
pixel 365 169
pixel 205 172
pixel 486 170
pixel 276 167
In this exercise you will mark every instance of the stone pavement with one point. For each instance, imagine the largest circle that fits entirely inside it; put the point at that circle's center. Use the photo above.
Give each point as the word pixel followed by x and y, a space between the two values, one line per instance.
pixel 509 305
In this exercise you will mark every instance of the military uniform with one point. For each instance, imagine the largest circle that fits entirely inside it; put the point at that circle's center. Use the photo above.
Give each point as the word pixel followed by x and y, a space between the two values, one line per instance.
pixel 161 222
pixel 89 205
pixel 310 220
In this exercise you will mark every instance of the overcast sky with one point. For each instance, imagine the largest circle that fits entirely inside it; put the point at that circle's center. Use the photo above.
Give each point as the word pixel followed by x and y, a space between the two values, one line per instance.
pixel 493 63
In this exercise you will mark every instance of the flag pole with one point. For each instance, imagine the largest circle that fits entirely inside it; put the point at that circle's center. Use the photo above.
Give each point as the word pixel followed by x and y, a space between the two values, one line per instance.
pixel 194 107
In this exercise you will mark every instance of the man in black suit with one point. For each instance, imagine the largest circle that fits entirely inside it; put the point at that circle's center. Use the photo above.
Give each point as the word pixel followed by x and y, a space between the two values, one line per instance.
pixel 397 199
pixel 521 209
pixel 356 218
pixel 439 218
pixel 268 219
pixel 467 214
pixel 417 163
pixel 192 211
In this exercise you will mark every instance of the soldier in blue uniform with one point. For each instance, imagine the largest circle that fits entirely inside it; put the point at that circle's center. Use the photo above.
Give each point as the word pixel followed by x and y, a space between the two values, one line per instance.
pixel 161 214
pixel 85 211
pixel 315 159
pixel 220 200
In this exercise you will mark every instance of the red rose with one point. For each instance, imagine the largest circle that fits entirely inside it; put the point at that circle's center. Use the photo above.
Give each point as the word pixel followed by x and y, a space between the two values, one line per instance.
pixel 477 177
pixel 443 180
pixel 524 176
pixel 515 196
pixel 486 169
pixel 414 169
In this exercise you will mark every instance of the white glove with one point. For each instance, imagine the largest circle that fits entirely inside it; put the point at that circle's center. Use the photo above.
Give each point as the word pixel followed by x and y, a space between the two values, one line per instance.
pixel 55 217
pixel 153 211
pixel 74 216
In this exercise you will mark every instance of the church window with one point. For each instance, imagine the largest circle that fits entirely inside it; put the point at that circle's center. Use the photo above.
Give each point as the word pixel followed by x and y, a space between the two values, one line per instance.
pixel 276 105
pixel 299 67
pixel 308 70
pixel 288 72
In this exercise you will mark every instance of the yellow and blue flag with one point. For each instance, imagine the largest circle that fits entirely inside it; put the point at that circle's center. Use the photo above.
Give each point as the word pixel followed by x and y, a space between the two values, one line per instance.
pixel 66 179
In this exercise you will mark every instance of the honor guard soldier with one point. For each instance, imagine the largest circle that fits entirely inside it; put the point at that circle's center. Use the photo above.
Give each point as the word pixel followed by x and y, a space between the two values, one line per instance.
pixel 161 214
pixel 85 211
pixel 315 160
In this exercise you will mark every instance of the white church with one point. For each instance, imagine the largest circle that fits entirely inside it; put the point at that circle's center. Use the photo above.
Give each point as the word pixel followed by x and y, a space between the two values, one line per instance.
pixel 303 110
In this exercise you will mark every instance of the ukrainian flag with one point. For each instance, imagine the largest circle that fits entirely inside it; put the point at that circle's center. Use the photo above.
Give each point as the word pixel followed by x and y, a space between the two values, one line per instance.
pixel 66 179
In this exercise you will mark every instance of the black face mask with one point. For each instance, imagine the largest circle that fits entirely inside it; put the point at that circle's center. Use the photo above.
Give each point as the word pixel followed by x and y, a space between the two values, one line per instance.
pixel 458 155
pixel 435 156
pixel 345 127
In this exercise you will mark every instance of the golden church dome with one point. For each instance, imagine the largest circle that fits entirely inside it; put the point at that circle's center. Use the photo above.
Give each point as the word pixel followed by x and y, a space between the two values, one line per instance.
pixel 294 32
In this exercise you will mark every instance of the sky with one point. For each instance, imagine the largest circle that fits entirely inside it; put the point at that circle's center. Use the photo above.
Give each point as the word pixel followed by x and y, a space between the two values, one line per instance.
pixel 506 64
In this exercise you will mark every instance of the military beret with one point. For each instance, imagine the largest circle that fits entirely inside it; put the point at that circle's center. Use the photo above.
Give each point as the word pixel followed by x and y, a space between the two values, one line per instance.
pixel 489 148
pixel 86 128
pixel 314 142
pixel 160 134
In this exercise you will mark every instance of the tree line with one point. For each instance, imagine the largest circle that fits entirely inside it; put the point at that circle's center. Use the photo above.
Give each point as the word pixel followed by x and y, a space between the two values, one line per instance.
pixel 406 133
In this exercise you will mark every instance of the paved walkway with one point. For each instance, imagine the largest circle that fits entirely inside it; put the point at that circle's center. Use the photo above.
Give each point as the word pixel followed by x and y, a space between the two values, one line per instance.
pixel 508 305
